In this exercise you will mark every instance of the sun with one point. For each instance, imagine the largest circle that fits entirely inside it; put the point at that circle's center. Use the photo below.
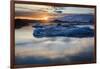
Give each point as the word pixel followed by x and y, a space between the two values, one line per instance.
pixel 45 18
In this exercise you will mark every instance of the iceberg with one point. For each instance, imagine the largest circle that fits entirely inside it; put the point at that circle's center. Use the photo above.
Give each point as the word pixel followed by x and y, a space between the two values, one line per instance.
pixel 61 31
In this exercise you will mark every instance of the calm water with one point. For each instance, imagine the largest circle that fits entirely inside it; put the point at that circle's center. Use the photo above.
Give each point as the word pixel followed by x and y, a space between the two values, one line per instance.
pixel 31 50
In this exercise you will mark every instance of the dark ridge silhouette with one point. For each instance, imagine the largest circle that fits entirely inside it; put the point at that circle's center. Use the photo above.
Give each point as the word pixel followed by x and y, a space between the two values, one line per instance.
pixel 76 19
pixel 19 23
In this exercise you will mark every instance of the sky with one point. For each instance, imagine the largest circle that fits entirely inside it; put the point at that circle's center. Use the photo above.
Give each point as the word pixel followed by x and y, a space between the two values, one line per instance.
pixel 43 12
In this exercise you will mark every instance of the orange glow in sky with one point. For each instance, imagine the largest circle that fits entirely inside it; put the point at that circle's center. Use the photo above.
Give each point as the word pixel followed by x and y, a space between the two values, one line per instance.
pixel 32 18
pixel 45 18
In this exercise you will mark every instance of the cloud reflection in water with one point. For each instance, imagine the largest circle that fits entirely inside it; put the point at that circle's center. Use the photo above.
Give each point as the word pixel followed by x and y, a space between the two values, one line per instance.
pixel 31 50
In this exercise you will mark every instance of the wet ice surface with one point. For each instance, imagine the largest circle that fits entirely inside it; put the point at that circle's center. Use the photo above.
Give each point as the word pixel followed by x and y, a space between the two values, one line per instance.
pixel 31 50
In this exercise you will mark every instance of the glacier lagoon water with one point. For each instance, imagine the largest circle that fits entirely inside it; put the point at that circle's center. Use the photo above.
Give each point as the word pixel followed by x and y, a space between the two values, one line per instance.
pixel 52 50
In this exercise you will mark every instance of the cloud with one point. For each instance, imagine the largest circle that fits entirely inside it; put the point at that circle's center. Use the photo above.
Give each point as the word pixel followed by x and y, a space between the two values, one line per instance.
pixel 28 9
